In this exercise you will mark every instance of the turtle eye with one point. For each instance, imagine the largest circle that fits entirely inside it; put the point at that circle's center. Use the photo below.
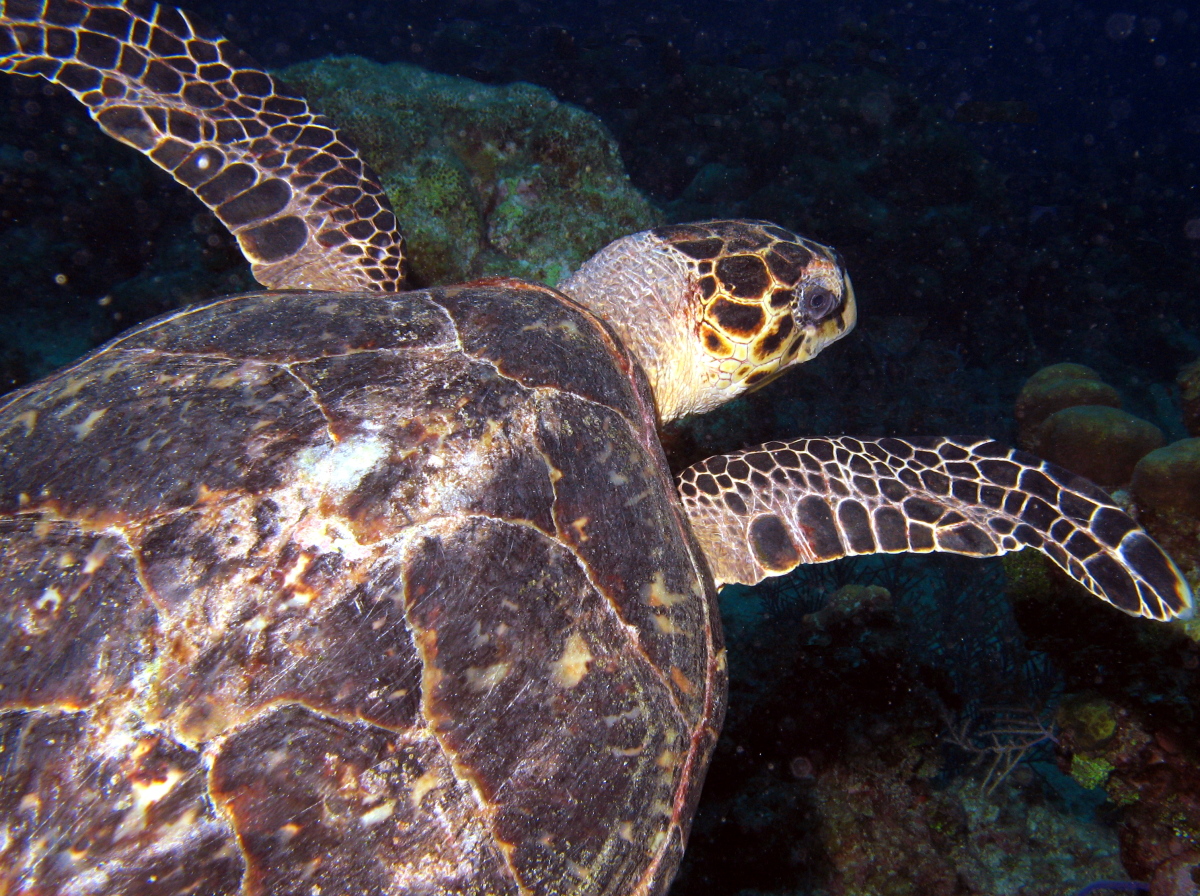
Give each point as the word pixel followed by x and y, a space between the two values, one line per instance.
pixel 817 302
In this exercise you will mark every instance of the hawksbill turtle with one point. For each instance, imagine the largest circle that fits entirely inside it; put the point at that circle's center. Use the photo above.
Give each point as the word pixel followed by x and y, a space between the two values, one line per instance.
pixel 335 588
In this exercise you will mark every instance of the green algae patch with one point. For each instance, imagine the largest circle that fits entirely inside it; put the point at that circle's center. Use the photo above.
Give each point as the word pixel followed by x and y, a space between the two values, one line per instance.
pixel 1090 773
pixel 1091 722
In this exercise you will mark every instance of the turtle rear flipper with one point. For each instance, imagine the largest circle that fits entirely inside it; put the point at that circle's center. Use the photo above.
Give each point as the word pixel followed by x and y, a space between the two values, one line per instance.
pixel 307 212
pixel 764 511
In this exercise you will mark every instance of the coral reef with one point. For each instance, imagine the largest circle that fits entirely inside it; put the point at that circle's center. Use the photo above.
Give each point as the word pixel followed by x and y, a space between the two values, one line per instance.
pixel 897 791
pixel 1166 492
pixel 1151 774
pixel 1127 722
pixel 1178 876
pixel 892 837
pixel 896 728
pixel 1068 415
pixel 1055 388
pixel 1098 442
pixel 485 180
pixel 1167 481
pixel 1189 394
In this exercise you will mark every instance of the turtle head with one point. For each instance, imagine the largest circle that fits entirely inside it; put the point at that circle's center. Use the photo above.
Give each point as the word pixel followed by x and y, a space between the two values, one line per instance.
pixel 715 309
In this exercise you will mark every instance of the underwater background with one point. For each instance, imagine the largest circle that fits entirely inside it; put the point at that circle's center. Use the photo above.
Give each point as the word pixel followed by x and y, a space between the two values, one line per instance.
pixel 1015 190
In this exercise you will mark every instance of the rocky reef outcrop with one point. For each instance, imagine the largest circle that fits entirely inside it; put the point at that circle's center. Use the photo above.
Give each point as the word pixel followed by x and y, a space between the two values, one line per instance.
pixel 486 181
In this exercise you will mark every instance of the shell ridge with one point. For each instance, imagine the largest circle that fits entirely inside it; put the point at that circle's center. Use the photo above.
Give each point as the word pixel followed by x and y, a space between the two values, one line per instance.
pixel 116 345
pixel 211 751
pixel 404 733
pixel 610 341
pixel 316 400
pixel 429 674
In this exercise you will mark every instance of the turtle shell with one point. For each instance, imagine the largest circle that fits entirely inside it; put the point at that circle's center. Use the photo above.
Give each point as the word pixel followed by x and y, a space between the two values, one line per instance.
pixel 350 593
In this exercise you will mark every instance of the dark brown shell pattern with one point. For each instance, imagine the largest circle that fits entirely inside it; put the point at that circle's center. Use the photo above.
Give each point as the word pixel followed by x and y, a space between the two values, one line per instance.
pixel 349 594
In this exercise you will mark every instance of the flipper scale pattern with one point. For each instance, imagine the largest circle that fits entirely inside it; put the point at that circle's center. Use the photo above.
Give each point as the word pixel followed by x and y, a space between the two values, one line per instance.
pixel 306 210
pixel 764 511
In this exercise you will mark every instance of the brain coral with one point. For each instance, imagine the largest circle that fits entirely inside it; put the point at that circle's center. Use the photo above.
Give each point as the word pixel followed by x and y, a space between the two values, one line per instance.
pixel 1098 442
pixel 485 180
pixel 1056 388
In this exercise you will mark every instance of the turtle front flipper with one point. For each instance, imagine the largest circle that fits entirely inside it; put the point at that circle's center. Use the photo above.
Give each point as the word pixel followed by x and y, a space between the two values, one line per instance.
pixel 304 208
pixel 764 511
